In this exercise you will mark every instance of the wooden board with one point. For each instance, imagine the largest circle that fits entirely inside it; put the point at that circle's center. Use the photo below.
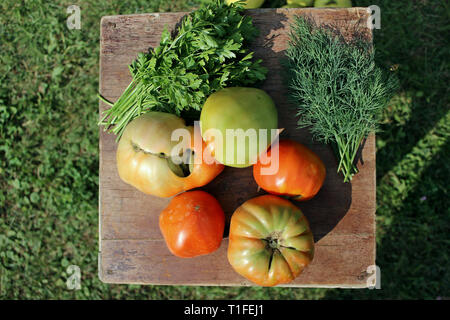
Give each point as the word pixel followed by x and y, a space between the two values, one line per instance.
pixel 342 216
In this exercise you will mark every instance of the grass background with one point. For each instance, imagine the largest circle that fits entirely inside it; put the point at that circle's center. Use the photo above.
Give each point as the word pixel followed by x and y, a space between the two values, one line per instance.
pixel 49 155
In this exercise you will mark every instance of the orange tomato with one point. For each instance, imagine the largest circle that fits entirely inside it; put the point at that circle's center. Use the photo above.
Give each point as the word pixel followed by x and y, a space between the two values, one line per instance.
pixel 192 224
pixel 144 161
pixel 300 173
pixel 270 241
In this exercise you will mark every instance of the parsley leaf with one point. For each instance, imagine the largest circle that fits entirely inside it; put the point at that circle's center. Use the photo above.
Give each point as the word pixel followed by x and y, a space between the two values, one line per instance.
pixel 207 52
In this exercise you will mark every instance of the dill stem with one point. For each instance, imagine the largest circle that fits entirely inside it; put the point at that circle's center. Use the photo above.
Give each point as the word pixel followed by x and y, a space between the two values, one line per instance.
pixel 351 167
pixel 350 159
pixel 343 152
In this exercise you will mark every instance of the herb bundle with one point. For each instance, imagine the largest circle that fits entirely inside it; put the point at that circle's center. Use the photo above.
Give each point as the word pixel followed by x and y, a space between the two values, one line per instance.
pixel 337 89
pixel 207 53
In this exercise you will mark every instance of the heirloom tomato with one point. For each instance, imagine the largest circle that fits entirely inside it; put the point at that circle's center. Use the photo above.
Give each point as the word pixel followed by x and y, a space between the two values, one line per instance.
pixel 145 161
pixel 192 224
pixel 249 4
pixel 239 123
pixel 333 3
pixel 298 172
pixel 300 3
pixel 270 241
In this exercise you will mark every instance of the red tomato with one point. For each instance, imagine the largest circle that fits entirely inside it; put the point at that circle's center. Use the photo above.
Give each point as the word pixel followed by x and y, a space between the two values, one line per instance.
pixel 192 224
pixel 300 172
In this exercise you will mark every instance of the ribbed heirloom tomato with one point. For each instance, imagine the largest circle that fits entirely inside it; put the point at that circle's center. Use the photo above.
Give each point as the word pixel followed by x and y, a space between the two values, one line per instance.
pixel 144 156
pixel 192 224
pixel 300 173
pixel 270 241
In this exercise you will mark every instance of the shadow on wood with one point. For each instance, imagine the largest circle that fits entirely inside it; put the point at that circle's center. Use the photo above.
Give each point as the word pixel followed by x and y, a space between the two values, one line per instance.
pixel 322 216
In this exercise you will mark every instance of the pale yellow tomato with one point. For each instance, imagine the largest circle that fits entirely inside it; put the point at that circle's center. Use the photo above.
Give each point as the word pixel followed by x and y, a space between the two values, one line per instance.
pixel 144 156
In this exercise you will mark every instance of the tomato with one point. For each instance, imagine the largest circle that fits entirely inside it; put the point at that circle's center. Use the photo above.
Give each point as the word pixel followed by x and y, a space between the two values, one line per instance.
pixel 233 120
pixel 270 241
pixel 144 156
pixel 333 3
pixel 192 224
pixel 249 4
pixel 300 3
pixel 300 173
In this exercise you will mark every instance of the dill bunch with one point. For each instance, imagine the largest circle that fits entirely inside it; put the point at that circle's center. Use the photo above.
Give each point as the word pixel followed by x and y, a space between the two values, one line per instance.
pixel 206 53
pixel 337 89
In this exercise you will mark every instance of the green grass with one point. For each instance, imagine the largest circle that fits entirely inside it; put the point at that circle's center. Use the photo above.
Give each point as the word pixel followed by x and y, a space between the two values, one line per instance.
pixel 49 155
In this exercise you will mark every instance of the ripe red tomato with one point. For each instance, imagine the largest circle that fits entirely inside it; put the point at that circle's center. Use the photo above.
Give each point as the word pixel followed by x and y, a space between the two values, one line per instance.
pixel 192 224
pixel 270 241
pixel 300 173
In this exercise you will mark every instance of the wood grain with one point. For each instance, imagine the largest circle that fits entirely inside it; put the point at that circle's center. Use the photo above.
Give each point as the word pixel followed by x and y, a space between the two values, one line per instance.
pixel 342 216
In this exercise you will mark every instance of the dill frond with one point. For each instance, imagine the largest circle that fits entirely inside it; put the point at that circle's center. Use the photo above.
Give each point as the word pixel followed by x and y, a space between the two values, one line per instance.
pixel 336 87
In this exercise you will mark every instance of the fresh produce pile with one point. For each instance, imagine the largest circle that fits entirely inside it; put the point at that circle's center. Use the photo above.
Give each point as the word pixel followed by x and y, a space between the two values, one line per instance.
pixel 204 72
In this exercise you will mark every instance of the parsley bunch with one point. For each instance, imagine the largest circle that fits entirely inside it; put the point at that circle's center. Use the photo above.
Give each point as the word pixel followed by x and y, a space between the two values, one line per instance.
pixel 207 53
pixel 337 89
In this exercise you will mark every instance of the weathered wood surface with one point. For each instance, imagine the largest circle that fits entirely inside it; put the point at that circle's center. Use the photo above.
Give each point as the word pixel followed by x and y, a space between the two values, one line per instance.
pixel 342 216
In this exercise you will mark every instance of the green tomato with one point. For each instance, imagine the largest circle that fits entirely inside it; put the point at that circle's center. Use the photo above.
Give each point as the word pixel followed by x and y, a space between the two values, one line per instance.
pixel 299 3
pixel 333 3
pixel 249 4
pixel 239 124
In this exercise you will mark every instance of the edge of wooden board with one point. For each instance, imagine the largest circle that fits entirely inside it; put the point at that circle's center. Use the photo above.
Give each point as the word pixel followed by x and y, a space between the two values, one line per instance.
pixel 155 14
